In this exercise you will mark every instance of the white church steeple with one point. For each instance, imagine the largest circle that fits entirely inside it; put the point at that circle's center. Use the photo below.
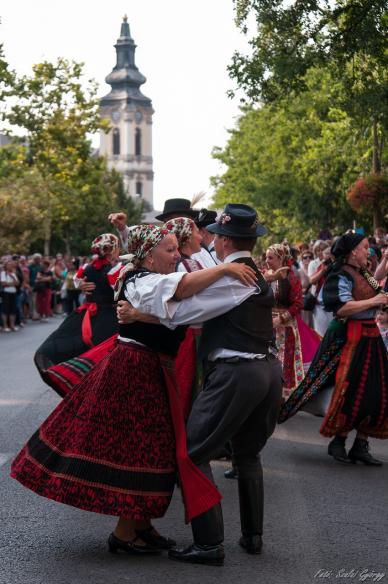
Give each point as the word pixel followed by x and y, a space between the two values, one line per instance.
pixel 128 145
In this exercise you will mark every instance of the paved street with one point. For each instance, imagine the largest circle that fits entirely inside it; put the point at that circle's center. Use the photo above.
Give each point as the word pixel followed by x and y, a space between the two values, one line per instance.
pixel 324 522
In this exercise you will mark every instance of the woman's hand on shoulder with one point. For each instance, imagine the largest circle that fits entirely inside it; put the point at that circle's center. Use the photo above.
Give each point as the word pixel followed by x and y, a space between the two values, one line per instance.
pixel 242 272
pixel 380 299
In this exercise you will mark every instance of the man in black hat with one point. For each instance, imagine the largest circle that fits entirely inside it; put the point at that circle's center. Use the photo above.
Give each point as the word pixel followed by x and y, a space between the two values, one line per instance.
pixel 241 395
pixel 172 208
pixel 207 256
pixel 177 208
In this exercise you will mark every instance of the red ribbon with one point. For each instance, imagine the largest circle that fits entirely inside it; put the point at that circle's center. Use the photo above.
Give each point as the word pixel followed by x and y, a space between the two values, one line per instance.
pixel 86 328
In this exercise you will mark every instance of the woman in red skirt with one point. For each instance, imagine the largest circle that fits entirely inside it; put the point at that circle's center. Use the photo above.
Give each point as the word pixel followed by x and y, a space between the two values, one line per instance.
pixel 352 357
pixel 113 444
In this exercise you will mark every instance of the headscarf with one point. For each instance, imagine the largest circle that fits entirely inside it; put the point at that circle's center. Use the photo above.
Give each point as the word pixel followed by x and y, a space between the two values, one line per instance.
pixel 105 243
pixel 345 244
pixel 141 240
pixel 182 227
pixel 281 251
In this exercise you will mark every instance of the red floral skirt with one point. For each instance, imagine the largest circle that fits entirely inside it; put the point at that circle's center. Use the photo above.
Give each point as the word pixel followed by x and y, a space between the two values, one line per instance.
pixel 109 446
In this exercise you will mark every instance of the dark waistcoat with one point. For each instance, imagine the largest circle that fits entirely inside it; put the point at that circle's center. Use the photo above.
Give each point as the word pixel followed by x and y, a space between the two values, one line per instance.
pixel 246 328
pixel 154 336
pixel 103 293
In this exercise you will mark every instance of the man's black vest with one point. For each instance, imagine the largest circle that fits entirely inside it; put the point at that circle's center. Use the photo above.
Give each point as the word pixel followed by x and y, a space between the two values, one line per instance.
pixel 154 336
pixel 246 328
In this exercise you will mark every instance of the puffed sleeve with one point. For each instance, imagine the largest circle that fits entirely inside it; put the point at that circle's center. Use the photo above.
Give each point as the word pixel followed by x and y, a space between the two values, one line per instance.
pixel 152 293
pixel 337 291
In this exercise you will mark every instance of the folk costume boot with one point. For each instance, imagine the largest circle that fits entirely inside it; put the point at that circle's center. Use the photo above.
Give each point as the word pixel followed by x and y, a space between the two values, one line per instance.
pixel 336 449
pixel 251 498
pixel 231 473
pixel 208 533
pixel 359 452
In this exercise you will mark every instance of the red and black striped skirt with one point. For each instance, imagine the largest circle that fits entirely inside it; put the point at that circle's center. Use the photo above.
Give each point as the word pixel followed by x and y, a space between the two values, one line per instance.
pixel 109 446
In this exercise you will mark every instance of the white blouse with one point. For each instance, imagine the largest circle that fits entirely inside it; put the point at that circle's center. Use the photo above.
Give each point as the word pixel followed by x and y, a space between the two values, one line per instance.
pixel 154 293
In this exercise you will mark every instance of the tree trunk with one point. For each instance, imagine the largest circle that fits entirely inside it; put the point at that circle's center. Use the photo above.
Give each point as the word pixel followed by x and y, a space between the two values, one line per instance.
pixel 378 219
pixel 47 237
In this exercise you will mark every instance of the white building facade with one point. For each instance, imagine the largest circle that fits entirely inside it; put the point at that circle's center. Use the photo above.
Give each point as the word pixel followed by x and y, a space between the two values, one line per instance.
pixel 128 145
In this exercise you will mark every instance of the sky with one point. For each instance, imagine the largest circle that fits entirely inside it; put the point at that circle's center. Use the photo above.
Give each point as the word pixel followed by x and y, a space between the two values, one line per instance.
pixel 183 49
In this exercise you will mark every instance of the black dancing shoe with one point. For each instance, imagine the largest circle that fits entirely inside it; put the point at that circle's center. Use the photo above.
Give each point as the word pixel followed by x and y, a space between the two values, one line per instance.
pixel 359 452
pixel 336 449
pixel 130 547
pixel 231 473
pixel 199 554
pixel 252 544
pixel 153 538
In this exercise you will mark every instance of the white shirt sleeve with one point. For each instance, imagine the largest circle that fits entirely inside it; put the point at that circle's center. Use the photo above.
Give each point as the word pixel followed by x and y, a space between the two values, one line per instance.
pixel 216 299
pixel 151 294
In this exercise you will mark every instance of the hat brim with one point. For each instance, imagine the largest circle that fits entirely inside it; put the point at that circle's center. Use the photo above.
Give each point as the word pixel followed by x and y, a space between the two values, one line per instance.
pixel 185 213
pixel 228 231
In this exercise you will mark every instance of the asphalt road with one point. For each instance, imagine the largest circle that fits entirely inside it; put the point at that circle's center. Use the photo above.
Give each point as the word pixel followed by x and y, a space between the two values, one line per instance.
pixel 324 522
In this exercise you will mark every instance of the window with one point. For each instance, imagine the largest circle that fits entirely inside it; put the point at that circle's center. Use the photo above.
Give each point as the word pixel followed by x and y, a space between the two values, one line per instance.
pixel 116 142
pixel 138 142
pixel 139 189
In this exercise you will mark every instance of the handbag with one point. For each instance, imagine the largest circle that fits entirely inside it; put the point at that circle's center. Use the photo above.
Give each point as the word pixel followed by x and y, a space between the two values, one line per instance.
pixel 309 301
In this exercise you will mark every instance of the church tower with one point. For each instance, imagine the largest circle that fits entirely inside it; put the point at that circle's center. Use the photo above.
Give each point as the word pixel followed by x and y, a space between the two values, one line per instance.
pixel 128 145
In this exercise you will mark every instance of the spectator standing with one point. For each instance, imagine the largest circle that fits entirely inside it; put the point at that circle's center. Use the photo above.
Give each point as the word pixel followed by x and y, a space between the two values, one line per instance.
pixel 43 283
pixel 9 282
pixel 34 267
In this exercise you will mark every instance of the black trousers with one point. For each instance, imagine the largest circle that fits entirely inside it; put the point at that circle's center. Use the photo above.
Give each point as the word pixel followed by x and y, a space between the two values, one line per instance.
pixel 240 402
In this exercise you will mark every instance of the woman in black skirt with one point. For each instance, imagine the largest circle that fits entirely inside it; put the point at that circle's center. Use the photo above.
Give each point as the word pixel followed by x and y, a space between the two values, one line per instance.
pixel 351 356
pixel 95 320
pixel 114 442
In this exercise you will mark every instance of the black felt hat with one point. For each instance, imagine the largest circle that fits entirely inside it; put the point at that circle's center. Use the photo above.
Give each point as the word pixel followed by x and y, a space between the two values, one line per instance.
pixel 238 221
pixel 205 218
pixel 178 207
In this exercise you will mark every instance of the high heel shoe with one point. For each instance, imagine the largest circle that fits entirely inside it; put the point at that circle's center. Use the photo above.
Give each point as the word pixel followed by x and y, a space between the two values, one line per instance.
pixel 130 547
pixel 153 538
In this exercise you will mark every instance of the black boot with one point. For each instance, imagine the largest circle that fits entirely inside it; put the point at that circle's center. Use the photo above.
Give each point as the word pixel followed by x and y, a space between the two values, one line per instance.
pixel 231 473
pixel 359 452
pixel 336 449
pixel 208 533
pixel 251 497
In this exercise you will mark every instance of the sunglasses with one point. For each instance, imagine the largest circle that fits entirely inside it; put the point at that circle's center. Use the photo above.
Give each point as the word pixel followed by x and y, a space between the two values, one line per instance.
pixel 307 257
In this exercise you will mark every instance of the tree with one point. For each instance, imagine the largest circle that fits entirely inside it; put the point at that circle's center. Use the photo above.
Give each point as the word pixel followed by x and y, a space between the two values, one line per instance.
pixel 294 161
pixel 345 37
pixel 57 114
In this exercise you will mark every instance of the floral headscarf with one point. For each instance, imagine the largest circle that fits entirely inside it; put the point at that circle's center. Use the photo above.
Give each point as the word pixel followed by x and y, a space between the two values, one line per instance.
pixel 281 251
pixel 104 244
pixel 182 227
pixel 141 240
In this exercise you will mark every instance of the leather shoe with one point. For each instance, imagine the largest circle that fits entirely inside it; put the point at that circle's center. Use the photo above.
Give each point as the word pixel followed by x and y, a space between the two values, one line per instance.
pixel 252 544
pixel 336 449
pixel 199 554
pixel 130 547
pixel 359 452
pixel 231 473
pixel 153 538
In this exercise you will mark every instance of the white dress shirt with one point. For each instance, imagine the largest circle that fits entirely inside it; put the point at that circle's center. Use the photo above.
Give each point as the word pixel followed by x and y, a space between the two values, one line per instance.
pixel 154 293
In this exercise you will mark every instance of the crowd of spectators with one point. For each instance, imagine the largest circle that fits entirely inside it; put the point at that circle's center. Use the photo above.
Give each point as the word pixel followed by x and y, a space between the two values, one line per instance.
pixel 35 288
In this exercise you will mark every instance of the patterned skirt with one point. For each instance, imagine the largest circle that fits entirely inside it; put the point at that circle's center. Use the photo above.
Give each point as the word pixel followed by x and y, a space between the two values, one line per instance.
pixel 297 345
pixel 67 341
pixel 109 446
pixel 351 357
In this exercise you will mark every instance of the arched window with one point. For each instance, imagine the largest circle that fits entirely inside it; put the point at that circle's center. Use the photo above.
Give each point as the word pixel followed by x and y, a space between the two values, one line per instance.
pixel 138 142
pixel 139 189
pixel 116 142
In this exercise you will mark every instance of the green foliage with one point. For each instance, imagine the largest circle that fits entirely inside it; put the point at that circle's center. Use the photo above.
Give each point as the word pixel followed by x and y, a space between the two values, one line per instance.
pixel 294 161
pixel 72 191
